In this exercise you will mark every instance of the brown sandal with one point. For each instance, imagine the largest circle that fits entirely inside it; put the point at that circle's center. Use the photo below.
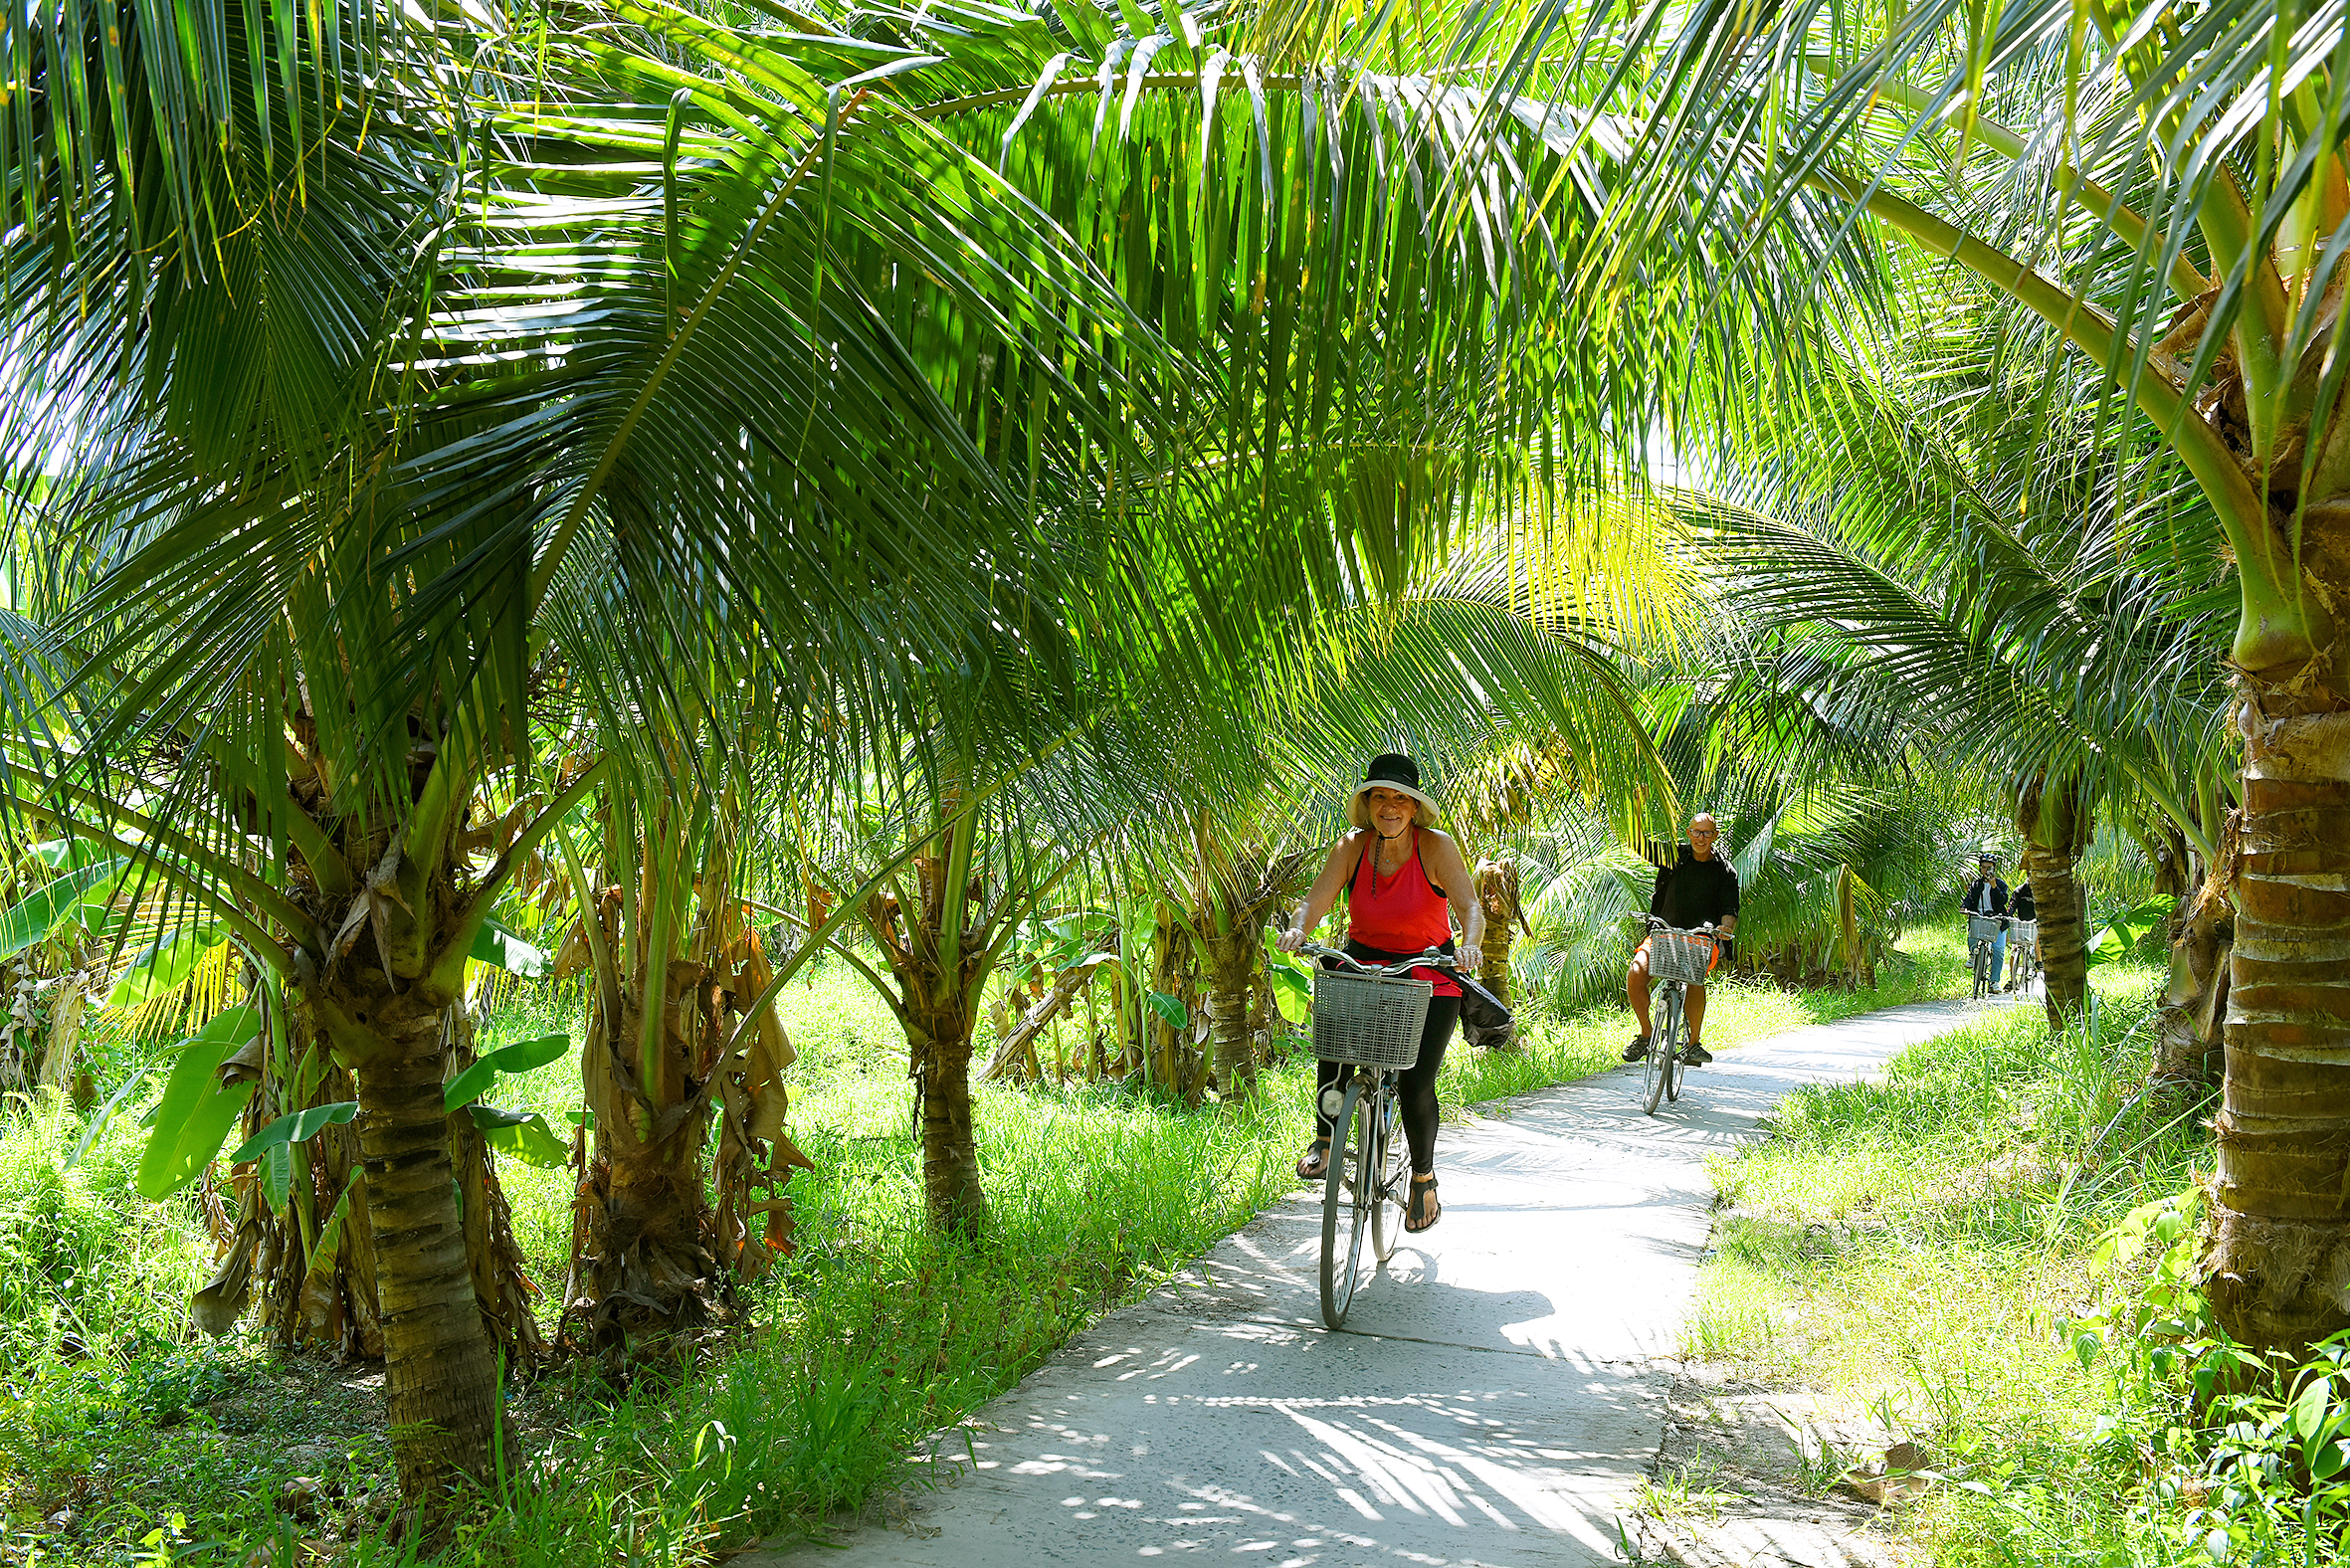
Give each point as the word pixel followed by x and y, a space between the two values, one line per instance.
pixel 1317 1163
pixel 1423 1187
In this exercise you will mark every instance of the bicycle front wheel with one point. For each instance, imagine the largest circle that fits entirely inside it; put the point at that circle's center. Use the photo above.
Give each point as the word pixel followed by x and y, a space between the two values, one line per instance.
pixel 1982 959
pixel 1663 1041
pixel 1674 1066
pixel 1342 1216
pixel 1388 1189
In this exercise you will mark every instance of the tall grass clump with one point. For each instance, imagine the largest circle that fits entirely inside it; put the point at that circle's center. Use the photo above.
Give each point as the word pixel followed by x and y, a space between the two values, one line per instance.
pixel 1951 1250
pixel 94 1282
pixel 85 1262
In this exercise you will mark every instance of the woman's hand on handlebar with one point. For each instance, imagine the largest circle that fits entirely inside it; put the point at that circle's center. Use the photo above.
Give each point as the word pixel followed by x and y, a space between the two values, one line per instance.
pixel 1290 941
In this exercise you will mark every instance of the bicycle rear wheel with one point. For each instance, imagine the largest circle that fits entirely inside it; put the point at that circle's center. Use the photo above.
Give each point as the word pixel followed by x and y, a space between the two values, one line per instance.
pixel 1388 1191
pixel 1342 1216
pixel 1662 1043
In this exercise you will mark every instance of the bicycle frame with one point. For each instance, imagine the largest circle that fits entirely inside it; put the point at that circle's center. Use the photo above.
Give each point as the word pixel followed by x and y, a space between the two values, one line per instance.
pixel 1980 950
pixel 1367 1175
pixel 2023 956
pixel 1661 1075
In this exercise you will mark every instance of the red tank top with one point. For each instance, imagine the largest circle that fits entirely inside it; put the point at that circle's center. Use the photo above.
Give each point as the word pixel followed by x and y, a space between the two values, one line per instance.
pixel 1403 914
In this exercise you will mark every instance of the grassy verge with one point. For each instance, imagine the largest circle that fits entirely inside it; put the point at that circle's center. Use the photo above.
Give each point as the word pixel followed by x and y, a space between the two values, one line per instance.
pixel 1923 1248
pixel 122 1438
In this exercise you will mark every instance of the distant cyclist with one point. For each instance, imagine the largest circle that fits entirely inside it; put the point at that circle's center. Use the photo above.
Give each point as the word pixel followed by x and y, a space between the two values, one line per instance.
pixel 1404 882
pixel 1988 894
pixel 1698 889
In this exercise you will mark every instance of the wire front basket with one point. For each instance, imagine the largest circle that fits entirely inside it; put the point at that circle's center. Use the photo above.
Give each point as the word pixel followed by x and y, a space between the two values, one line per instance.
pixel 1369 1020
pixel 2025 932
pixel 1679 956
pixel 1982 928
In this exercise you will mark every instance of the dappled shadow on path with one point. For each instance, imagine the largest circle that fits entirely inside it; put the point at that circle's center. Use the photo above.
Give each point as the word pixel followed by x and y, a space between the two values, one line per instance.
pixel 1496 1396
pixel 1310 1446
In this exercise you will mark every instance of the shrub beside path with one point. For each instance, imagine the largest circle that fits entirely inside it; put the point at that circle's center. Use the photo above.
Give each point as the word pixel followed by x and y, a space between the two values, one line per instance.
pixel 1498 1396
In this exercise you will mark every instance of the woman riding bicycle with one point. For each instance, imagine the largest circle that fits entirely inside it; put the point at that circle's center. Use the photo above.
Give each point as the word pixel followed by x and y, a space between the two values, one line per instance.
pixel 1404 881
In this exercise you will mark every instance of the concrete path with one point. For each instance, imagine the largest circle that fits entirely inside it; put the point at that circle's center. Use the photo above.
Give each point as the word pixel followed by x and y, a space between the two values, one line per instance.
pixel 1496 1399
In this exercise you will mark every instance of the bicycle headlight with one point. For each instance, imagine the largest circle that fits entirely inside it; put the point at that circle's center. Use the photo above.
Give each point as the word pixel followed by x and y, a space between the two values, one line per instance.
pixel 1333 1100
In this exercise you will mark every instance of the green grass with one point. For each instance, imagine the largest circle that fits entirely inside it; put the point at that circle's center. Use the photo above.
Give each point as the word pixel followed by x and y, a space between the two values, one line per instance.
pixel 874 1334
pixel 1919 1247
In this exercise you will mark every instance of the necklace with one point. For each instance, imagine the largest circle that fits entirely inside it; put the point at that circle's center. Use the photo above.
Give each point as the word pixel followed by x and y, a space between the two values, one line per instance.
pixel 1380 871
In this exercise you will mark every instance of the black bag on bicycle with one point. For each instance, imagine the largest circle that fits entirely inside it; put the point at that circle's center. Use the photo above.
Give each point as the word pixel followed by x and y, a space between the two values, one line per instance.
pixel 1483 1012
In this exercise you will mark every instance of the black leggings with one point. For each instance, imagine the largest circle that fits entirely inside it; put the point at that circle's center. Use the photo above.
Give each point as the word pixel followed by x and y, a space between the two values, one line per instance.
pixel 1415 1088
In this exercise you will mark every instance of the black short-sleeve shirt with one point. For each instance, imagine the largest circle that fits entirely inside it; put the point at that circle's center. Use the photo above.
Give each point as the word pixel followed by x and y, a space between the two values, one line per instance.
pixel 1691 891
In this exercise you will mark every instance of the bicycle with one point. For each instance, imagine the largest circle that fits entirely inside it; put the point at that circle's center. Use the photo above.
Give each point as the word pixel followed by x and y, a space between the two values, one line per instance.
pixel 1678 959
pixel 2023 954
pixel 1982 942
pixel 1368 1017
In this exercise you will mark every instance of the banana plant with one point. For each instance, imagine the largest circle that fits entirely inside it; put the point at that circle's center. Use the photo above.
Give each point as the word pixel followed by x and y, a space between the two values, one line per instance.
pixel 685 1157
pixel 49 964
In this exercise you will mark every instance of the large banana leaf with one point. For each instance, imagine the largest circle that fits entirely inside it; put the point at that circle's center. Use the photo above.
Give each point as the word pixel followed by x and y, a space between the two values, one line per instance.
pixel 79 898
pixel 200 1103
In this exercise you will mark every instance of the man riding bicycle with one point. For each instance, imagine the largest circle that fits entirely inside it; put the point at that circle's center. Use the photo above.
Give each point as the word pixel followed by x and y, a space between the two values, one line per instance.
pixel 1988 894
pixel 1698 889
pixel 1404 882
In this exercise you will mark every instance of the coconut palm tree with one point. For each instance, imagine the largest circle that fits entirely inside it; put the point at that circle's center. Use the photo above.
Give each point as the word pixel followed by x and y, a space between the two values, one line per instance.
pixel 2158 196
pixel 1906 562
pixel 337 556
pixel 680 1191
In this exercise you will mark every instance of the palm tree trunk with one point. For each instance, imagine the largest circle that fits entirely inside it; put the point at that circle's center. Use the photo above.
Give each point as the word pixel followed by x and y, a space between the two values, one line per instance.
pixel 941 1039
pixel 1497 891
pixel 2280 1246
pixel 1236 900
pixel 1231 978
pixel 937 951
pixel 647 1268
pixel 2053 815
pixel 2174 863
pixel 2064 941
pixel 64 1030
pixel 441 1384
pixel 2189 1044
pixel 313 1266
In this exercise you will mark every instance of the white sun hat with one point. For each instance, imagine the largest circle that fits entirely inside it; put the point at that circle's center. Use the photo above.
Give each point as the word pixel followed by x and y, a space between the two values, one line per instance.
pixel 1392 770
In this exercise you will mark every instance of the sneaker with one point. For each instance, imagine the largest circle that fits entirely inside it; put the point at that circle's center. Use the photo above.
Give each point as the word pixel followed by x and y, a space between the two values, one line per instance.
pixel 1694 1054
pixel 1638 1048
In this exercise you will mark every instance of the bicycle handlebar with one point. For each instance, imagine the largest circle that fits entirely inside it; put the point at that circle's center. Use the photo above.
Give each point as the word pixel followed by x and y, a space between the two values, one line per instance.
pixel 1429 958
pixel 1707 929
